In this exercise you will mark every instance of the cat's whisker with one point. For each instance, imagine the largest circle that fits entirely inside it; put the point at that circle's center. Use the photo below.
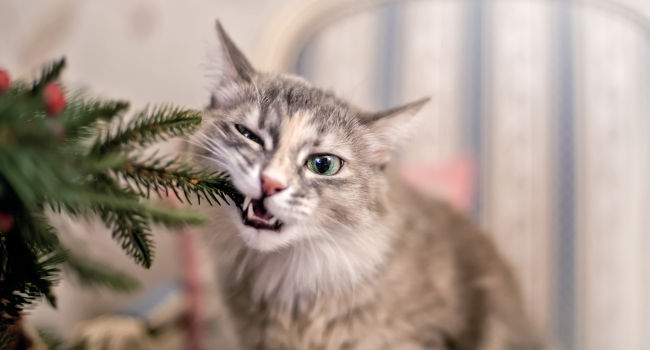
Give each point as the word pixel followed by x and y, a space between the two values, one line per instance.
pixel 203 147
pixel 204 138
pixel 209 159
pixel 199 147
pixel 210 146
pixel 226 114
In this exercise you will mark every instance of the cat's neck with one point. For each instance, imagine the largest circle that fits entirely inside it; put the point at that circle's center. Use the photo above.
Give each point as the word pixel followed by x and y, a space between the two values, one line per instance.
pixel 338 264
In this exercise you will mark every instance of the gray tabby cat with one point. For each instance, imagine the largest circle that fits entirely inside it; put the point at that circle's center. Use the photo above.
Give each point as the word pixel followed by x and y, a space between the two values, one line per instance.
pixel 329 250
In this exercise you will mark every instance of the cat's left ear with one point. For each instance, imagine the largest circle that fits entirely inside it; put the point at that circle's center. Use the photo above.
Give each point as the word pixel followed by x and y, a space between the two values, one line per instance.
pixel 391 127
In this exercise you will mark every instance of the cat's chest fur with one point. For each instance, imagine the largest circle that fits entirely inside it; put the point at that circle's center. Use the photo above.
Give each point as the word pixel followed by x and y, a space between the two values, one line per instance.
pixel 392 309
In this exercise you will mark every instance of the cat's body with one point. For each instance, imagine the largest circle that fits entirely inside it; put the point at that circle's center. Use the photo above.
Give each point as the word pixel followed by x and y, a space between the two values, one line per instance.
pixel 344 259
pixel 441 285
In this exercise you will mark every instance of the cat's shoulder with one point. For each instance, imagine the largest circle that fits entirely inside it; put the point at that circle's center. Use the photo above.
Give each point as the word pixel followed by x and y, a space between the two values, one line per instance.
pixel 432 224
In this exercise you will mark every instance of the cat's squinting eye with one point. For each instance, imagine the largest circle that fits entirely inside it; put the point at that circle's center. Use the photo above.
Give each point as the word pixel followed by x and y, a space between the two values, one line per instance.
pixel 249 134
pixel 324 164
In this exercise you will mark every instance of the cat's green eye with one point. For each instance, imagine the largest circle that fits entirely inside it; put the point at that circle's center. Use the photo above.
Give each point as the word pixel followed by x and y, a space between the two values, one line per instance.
pixel 324 164
pixel 249 134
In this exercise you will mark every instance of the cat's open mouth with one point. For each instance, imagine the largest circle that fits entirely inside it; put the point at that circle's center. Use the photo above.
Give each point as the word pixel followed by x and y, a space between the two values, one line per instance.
pixel 254 214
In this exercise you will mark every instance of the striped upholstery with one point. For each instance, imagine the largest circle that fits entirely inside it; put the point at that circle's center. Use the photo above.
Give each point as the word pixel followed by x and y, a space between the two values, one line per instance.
pixel 552 101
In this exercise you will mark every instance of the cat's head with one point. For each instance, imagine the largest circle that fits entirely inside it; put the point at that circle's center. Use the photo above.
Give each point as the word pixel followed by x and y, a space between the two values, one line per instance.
pixel 310 164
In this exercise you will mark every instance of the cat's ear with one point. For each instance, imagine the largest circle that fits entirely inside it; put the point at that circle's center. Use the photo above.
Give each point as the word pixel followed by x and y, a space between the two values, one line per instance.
pixel 235 65
pixel 230 67
pixel 390 127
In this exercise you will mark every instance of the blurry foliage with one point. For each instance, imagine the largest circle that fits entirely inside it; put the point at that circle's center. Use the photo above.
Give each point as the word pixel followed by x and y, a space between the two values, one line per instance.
pixel 82 161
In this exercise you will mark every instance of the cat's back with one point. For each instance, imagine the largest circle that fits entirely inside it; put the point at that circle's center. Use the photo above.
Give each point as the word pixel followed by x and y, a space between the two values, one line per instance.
pixel 431 225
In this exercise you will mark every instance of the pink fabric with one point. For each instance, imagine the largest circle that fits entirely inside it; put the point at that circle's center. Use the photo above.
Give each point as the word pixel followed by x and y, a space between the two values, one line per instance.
pixel 453 180
pixel 192 280
pixel 193 290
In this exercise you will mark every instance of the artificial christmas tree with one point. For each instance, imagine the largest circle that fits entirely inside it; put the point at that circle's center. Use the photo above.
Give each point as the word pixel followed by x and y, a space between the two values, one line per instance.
pixel 79 156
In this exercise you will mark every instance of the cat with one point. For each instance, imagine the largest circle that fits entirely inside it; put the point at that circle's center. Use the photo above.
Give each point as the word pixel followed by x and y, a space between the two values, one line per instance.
pixel 329 250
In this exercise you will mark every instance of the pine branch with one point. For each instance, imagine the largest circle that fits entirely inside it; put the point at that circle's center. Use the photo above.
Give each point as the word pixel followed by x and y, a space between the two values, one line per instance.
pixel 6 338
pixel 82 113
pixel 50 160
pixel 39 178
pixel 165 175
pixel 221 184
pixel 93 274
pixel 39 235
pixel 26 276
pixel 46 178
pixel 104 164
pixel 14 114
pixel 128 223
pixel 47 275
pixel 49 74
pixel 148 127
pixel 132 230
pixel 173 217
pixel 34 174
pixel 131 224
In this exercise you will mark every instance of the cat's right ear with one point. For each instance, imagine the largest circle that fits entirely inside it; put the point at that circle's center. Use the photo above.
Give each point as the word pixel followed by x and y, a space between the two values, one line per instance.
pixel 390 127
pixel 231 65
pixel 235 65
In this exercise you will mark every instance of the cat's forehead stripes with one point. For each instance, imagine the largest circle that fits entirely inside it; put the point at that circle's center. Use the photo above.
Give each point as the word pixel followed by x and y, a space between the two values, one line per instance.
pixel 293 130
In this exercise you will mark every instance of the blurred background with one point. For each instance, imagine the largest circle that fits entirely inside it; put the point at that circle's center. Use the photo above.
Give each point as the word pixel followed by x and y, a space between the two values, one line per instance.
pixel 539 126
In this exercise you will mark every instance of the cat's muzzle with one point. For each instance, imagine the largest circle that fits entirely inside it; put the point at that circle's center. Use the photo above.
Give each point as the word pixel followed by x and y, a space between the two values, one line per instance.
pixel 254 214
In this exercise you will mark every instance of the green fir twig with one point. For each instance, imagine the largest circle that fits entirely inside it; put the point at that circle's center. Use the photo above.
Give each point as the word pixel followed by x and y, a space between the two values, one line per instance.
pixel 148 127
pixel 163 175
pixel 81 162
pixel 49 74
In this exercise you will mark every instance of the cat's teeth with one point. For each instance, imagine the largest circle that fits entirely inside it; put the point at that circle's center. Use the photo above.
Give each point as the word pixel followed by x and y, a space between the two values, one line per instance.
pixel 273 221
pixel 249 212
pixel 247 201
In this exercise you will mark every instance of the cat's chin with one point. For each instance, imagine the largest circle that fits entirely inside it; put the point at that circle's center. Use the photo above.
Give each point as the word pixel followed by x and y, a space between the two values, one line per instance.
pixel 259 228
pixel 261 239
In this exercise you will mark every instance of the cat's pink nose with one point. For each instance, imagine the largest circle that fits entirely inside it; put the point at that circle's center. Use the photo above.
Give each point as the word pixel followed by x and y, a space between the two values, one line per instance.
pixel 270 186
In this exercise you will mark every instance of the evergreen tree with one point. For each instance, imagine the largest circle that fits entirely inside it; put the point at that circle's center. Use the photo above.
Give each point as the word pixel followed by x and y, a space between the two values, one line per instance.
pixel 79 156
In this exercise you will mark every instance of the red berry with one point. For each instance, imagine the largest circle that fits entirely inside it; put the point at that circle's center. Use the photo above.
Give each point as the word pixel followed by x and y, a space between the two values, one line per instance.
pixel 54 99
pixel 6 222
pixel 5 81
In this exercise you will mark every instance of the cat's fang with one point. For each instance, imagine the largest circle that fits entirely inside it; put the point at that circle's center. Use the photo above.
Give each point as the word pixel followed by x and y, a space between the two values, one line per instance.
pixel 254 214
